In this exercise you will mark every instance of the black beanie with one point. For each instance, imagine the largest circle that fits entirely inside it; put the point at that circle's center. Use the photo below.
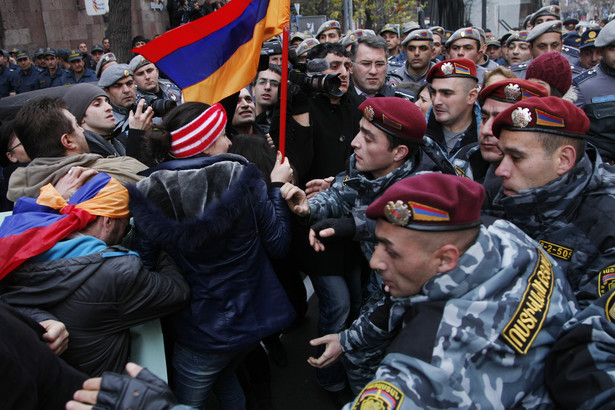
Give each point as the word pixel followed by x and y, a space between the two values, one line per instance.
pixel 79 97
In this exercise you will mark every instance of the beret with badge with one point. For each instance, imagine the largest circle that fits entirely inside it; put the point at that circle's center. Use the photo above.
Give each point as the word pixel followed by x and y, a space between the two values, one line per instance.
pixel 328 25
pixel 138 62
pixel 410 26
pixel 354 35
pixel 104 60
pixel 458 67
pixel 516 36
pixel 113 74
pixel 395 116
pixel 552 115
pixel 545 11
pixel 420 35
pixel 554 26
pixel 431 202
pixel 466 32
pixel 606 35
pixel 512 90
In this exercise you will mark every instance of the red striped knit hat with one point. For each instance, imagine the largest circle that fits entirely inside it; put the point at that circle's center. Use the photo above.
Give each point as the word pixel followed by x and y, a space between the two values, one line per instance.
pixel 199 134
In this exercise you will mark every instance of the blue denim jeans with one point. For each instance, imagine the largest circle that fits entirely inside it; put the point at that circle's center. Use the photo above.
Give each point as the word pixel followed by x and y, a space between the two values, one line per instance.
pixel 335 298
pixel 196 374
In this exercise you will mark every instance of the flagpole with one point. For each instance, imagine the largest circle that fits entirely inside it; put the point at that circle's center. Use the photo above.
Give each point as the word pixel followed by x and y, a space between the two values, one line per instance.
pixel 283 89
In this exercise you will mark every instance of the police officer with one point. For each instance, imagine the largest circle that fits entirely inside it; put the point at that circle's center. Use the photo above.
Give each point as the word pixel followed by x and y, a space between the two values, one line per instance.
pixel 118 83
pixel 146 76
pixel 596 95
pixel 78 72
pixel 419 50
pixel 390 33
pixel 53 74
pixel 557 189
pixel 466 43
pixel 547 13
pixel 329 32
pixel 461 315
pixel 6 75
pixel 107 60
pixel 519 52
pixel 547 37
pixel 27 77
pixel 455 114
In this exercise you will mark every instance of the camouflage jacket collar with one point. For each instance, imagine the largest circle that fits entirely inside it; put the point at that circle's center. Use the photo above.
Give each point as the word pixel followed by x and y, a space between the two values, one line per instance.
pixel 361 182
pixel 538 209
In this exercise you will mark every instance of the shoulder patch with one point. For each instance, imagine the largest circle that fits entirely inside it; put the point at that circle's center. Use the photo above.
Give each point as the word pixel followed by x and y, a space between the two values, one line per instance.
pixel 527 321
pixel 379 395
pixel 556 250
pixel 606 280
pixel 518 67
pixel 585 75
pixel 609 308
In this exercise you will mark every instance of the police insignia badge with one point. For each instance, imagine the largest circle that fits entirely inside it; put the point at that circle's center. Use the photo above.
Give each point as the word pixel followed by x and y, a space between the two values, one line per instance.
pixel 591 34
pixel 512 92
pixel 609 308
pixel 447 68
pixel 126 73
pixel 379 395
pixel 521 117
pixel 397 213
pixel 606 280
pixel 368 111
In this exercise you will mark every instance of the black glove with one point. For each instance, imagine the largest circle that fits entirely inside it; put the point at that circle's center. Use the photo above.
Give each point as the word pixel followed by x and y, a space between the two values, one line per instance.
pixel 344 227
pixel 146 392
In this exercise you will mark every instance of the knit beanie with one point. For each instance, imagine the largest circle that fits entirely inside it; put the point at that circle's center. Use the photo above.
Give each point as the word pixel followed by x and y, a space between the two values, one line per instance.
pixel 552 68
pixel 199 134
pixel 79 97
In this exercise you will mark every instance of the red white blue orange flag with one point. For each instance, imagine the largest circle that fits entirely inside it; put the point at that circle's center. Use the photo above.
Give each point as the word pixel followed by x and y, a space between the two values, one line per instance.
pixel 217 55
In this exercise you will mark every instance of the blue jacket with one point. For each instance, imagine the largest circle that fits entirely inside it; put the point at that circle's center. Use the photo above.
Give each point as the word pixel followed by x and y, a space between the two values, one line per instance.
pixel 220 223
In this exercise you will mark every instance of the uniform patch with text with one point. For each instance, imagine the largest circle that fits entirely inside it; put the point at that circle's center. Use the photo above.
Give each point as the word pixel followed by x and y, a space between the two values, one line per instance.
pixel 556 250
pixel 379 395
pixel 606 280
pixel 527 321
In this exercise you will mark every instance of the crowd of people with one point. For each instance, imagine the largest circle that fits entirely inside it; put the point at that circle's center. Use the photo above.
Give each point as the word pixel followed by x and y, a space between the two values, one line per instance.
pixel 448 194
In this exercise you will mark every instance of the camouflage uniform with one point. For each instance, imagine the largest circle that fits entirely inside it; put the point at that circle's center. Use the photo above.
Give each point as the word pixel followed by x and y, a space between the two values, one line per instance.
pixel 405 75
pixel 168 90
pixel 579 371
pixel 571 217
pixel 352 191
pixel 459 344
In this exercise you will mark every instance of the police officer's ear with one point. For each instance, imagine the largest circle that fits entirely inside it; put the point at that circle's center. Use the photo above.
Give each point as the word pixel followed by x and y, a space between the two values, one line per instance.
pixel 447 257
pixel 566 158
pixel 400 152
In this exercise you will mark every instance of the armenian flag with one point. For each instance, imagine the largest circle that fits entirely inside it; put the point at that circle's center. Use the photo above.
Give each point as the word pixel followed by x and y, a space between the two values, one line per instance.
pixel 217 55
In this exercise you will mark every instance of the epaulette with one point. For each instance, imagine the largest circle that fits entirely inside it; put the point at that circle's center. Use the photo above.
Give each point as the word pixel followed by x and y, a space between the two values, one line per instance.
pixel 571 51
pixel 576 69
pixel 519 67
pixel 585 75
pixel 395 63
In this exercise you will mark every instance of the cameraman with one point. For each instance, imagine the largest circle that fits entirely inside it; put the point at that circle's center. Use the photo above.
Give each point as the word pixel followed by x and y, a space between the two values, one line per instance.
pixel 146 76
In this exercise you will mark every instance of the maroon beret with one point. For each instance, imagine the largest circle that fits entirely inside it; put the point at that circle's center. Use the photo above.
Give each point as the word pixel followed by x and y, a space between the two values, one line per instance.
pixel 431 202
pixel 513 90
pixel 459 67
pixel 396 116
pixel 549 114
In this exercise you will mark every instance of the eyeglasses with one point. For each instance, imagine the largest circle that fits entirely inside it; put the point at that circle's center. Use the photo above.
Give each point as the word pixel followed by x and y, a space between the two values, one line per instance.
pixel 263 81
pixel 12 148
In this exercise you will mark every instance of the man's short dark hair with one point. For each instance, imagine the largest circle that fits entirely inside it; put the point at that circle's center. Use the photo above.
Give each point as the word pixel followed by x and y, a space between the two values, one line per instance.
pixel 396 142
pixel 371 42
pixel 273 67
pixel 551 142
pixel 321 51
pixel 39 124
